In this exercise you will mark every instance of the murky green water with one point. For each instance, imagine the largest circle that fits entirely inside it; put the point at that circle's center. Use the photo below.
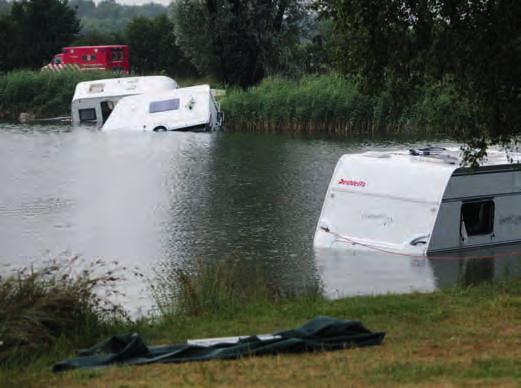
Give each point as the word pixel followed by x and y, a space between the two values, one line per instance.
pixel 152 198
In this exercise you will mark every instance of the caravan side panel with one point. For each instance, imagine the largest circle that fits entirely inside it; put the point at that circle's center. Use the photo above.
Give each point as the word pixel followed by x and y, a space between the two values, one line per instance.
pixel 479 209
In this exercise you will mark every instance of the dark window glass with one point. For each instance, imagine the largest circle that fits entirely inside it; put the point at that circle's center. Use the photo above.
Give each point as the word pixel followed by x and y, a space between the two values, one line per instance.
pixel 106 109
pixel 117 54
pixel 87 114
pixel 92 57
pixel 83 57
pixel 477 218
pixel 163 106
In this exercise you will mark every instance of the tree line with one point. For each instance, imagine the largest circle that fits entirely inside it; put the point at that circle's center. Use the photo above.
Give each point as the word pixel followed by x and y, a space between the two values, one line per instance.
pixel 108 16
pixel 472 48
pixel 32 31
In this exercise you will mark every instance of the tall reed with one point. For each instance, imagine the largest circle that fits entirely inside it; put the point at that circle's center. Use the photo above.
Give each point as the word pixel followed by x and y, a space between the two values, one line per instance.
pixel 218 288
pixel 43 94
pixel 333 104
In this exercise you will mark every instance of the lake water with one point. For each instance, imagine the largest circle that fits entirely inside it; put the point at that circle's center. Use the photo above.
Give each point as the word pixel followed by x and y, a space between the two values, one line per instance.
pixel 149 199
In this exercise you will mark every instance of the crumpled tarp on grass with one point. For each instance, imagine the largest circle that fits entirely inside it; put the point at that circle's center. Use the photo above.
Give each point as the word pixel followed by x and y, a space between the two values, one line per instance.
pixel 319 334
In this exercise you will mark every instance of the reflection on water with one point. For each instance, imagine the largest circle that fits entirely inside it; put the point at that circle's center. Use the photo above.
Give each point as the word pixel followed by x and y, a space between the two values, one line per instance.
pixel 478 265
pixel 148 199
pixel 347 273
pixel 358 273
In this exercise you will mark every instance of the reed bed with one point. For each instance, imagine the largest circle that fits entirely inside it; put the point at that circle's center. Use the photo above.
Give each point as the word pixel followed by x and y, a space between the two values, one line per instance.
pixel 219 288
pixel 42 94
pixel 335 105
pixel 67 300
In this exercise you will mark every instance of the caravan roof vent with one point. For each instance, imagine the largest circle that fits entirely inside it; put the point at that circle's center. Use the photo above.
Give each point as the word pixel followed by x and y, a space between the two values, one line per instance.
pixel 427 151
pixel 436 153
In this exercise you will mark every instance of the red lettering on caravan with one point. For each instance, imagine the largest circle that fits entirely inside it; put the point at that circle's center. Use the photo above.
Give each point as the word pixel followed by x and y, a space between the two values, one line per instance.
pixel 349 182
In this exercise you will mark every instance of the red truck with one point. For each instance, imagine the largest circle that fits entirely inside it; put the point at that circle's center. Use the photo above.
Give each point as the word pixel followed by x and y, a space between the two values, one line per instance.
pixel 112 58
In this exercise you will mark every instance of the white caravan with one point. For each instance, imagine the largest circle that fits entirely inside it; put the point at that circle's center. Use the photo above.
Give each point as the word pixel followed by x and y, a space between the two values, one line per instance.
pixel 421 201
pixel 94 101
pixel 191 108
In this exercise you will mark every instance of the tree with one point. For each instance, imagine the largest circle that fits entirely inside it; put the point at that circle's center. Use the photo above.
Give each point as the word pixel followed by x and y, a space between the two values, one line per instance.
pixel 153 48
pixel 7 44
pixel 94 37
pixel 41 29
pixel 474 44
pixel 237 41
pixel 83 7
pixel 5 7
pixel 481 42
pixel 108 16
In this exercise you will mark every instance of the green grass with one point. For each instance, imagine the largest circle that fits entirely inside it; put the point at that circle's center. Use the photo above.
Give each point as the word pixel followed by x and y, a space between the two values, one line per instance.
pixel 42 94
pixel 461 335
pixel 332 104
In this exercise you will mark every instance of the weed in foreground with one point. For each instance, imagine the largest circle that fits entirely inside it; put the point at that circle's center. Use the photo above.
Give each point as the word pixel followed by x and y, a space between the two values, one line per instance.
pixel 222 287
pixel 62 300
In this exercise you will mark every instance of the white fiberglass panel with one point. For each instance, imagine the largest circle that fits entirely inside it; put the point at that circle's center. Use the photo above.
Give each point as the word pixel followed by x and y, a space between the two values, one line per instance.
pixel 386 219
pixel 192 107
pixel 123 86
pixel 386 201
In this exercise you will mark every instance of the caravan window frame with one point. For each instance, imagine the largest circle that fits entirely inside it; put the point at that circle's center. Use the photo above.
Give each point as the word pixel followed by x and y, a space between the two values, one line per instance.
pixel 481 227
pixel 164 105
pixel 87 115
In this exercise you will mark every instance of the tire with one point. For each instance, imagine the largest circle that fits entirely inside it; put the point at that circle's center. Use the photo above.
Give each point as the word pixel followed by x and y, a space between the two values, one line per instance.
pixel 160 129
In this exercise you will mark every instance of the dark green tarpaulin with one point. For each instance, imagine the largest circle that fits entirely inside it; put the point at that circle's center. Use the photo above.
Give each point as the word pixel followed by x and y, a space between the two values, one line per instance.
pixel 319 334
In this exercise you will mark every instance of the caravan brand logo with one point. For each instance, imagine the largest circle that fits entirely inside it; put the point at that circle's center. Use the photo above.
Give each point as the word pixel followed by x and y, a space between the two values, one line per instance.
pixel 349 182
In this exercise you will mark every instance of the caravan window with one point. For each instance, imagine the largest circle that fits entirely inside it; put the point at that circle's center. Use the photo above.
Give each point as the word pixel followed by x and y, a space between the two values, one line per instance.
pixel 477 218
pixel 87 114
pixel 163 106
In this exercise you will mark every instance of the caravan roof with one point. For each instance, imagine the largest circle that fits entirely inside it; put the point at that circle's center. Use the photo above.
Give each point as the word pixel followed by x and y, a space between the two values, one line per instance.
pixel 114 87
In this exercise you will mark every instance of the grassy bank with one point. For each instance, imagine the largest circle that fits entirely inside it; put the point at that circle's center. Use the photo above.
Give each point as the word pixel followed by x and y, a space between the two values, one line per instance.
pixel 455 336
pixel 332 104
pixel 42 94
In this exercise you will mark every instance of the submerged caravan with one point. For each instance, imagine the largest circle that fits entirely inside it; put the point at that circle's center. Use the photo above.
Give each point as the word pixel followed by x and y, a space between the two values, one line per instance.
pixel 149 103
pixel 93 101
pixel 421 201
pixel 185 109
